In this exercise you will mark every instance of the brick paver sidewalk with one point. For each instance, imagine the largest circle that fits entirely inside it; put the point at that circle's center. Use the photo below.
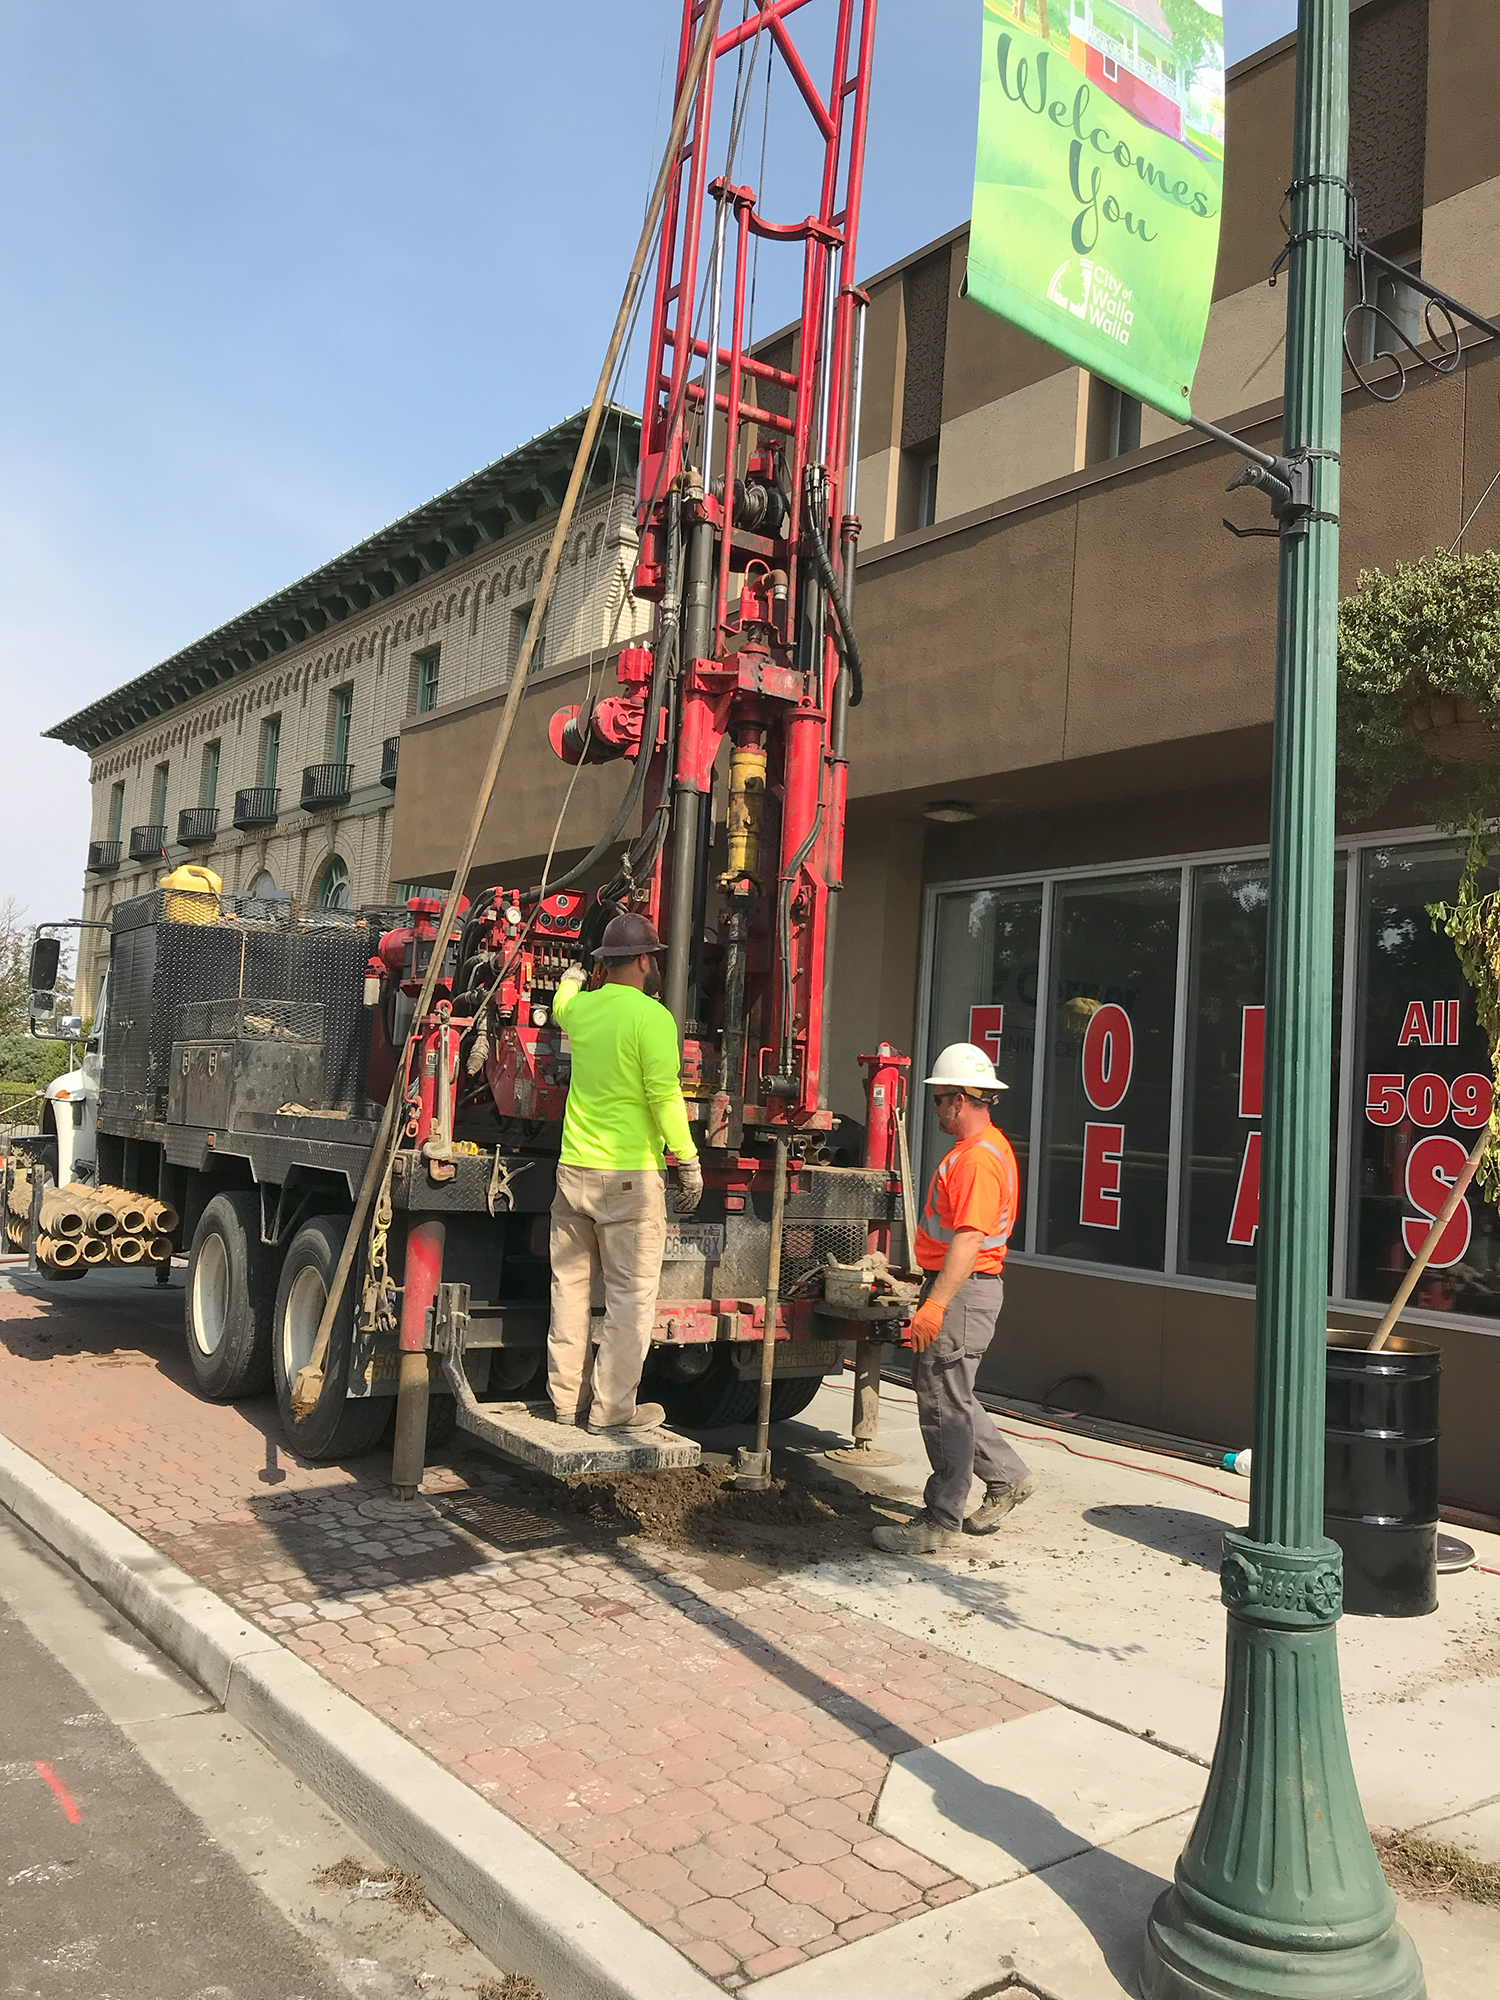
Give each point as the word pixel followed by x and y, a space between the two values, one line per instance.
pixel 709 1752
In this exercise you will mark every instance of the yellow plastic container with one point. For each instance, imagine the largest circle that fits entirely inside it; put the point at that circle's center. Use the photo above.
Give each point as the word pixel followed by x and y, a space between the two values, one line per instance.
pixel 196 900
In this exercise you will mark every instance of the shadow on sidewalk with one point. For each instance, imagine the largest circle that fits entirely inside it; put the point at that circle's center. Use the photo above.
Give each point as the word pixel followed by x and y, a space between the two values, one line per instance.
pixel 1170 1531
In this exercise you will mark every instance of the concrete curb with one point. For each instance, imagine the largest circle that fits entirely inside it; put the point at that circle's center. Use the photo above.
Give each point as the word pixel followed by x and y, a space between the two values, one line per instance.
pixel 524 1907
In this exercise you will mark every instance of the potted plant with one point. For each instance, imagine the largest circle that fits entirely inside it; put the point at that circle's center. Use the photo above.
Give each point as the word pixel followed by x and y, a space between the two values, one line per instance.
pixel 1419 686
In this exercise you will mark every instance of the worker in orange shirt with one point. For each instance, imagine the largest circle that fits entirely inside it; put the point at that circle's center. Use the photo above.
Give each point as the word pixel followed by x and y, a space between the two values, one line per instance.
pixel 966 1224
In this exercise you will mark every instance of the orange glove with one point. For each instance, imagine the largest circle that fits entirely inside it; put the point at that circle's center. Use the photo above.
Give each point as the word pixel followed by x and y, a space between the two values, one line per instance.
pixel 926 1325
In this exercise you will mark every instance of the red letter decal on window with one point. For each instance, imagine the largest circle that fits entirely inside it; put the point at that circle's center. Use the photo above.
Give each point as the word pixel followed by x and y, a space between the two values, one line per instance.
pixel 1252 1061
pixel 1385 1099
pixel 1471 1097
pixel 1246 1218
pixel 1108 1057
pixel 1427 1100
pixel 1414 1028
pixel 1453 1024
pixel 985 1024
pixel 1432 1166
pixel 1099 1196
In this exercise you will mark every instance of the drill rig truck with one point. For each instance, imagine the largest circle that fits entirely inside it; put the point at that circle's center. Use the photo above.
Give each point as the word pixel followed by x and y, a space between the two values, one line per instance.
pixel 248 1051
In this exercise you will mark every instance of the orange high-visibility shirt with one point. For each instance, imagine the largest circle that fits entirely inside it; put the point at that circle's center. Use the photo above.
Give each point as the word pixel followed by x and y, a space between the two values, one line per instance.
pixel 977 1185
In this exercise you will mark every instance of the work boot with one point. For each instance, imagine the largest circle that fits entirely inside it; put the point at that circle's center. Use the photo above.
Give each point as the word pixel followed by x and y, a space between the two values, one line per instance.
pixel 569 1417
pixel 645 1417
pixel 919 1537
pixel 997 1502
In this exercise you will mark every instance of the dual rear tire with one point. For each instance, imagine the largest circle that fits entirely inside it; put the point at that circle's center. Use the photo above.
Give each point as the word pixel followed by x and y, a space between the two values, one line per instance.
pixel 251 1317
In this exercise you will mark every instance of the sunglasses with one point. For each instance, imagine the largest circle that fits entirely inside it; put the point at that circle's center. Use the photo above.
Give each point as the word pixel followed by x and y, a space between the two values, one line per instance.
pixel 942 1097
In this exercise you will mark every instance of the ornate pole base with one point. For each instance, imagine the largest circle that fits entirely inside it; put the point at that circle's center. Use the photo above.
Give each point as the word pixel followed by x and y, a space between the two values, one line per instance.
pixel 1279 1893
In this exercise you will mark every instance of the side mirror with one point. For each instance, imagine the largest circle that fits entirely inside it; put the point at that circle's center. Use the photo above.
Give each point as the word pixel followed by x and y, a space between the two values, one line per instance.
pixel 42 1005
pixel 46 957
pixel 69 1027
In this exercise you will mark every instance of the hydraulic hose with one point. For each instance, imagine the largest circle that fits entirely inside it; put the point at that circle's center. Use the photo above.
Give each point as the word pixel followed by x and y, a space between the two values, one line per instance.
pixel 848 644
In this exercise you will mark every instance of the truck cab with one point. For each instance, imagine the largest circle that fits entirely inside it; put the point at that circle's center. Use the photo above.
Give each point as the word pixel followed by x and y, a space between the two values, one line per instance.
pixel 70 1106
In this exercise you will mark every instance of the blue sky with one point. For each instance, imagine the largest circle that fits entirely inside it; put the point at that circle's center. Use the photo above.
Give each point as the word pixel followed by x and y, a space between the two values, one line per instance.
pixel 275 271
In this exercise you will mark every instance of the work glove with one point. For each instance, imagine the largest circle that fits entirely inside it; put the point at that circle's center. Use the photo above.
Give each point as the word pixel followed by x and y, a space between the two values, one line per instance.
pixel 689 1189
pixel 926 1325
pixel 574 975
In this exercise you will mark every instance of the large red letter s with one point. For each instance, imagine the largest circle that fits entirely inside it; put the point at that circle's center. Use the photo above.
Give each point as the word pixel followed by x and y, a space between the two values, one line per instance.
pixel 1432 1166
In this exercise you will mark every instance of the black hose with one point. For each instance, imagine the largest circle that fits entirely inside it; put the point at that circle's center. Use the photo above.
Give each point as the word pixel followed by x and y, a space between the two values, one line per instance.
pixel 848 645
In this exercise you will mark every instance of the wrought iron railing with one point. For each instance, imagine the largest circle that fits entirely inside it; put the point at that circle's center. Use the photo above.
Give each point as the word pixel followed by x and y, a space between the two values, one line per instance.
pixel 326 785
pixel 196 825
pixel 390 757
pixel 148 843
pixel 103 855
pixel 257 805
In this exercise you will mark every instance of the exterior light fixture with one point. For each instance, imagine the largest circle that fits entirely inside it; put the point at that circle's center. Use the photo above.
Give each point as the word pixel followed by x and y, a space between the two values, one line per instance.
pixel 950 812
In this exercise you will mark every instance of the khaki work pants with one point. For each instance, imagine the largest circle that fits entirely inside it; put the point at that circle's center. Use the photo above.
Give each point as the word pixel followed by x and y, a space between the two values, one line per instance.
pixel 615 1225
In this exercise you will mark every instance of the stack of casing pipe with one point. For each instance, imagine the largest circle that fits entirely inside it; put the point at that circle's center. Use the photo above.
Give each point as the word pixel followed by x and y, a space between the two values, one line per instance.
pixel 86 1225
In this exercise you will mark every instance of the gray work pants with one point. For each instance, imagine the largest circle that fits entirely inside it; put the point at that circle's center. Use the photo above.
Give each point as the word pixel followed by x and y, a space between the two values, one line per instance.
pixel 959 1433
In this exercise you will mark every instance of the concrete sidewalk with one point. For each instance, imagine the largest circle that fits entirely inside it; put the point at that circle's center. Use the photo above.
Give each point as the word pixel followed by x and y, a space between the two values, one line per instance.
pixel 836 1776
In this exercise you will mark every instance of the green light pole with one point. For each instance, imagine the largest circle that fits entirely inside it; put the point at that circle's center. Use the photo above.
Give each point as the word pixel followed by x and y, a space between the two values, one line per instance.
pixel 1278 1891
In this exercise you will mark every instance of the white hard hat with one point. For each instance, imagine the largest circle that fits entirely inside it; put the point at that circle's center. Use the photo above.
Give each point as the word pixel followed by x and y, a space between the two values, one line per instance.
pixel 965 1067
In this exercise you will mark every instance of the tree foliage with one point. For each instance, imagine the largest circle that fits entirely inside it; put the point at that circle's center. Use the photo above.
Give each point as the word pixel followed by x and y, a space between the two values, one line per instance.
pixel 1196 34
pixel 1430 629
pixel 1472 923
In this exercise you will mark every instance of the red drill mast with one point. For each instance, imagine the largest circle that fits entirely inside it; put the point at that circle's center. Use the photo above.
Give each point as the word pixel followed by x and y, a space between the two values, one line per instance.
pixel 747 525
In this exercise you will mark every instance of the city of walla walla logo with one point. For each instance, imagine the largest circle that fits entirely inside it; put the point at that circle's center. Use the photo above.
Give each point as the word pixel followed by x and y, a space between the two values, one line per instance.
pixel 1105 304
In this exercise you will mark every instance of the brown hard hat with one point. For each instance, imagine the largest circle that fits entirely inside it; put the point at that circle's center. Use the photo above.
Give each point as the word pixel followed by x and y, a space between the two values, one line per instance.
pixel 629 936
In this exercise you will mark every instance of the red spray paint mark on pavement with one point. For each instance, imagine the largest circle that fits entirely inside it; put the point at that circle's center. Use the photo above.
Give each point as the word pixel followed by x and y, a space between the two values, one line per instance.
pixel 59 1789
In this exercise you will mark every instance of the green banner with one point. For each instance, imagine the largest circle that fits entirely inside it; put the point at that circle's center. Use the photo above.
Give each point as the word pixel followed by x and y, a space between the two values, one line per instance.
pixel 1099 181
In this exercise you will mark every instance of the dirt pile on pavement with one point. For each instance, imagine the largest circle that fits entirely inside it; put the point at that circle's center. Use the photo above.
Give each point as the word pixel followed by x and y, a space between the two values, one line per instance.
pixel 700 1509
pixel 1417 1866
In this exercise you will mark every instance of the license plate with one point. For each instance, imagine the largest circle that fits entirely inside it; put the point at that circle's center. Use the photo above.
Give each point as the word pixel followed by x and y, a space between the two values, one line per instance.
pixel 693 1239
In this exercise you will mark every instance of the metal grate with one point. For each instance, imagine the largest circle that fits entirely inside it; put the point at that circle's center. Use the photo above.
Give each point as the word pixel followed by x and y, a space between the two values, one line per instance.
pixel 807 1246
pixel 250 1021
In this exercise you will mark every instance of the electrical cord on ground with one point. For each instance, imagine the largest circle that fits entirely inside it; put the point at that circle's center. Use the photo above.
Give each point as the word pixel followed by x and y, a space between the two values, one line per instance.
pixel 1034 1435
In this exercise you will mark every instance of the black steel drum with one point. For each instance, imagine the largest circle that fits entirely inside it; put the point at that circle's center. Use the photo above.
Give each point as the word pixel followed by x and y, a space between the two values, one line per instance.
pixel 1380 1496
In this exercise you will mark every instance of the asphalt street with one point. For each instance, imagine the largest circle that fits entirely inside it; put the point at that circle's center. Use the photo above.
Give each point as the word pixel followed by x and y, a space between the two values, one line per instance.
pixel 151 1847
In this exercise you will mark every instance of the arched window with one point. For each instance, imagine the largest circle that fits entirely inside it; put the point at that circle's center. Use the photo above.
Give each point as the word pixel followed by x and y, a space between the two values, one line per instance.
pixel 333 885
pixel 264 884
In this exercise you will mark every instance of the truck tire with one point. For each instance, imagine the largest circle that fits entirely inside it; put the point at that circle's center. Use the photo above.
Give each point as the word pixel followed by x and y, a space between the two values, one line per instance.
pixel 226 1307
pixel 789 1398
pixel 712 1401
pixel 336 1427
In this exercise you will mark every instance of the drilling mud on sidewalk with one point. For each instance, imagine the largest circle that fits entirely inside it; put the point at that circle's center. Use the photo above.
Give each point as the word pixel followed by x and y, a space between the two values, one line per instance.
pixel 699 1512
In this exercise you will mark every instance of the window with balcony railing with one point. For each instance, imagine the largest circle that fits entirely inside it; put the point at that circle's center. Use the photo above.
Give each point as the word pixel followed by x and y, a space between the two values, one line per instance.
pixel 103 855
pixel 148 843
pixel 197 825
pixel 390 756
pixel 326 785
pixel 256 805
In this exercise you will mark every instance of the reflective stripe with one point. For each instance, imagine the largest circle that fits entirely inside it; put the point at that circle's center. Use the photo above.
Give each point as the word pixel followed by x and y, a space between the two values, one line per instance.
pixel 940 1230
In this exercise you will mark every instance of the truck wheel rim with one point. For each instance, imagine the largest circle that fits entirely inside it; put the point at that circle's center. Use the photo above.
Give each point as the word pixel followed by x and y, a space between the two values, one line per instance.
pixel 211 1295
pixel 299 1321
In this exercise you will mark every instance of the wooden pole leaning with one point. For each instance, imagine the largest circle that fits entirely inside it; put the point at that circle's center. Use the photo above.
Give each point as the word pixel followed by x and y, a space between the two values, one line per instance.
pixel 309 1383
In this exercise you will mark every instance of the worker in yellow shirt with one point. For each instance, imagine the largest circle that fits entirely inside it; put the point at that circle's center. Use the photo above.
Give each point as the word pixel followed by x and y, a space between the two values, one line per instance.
pixel 625 1109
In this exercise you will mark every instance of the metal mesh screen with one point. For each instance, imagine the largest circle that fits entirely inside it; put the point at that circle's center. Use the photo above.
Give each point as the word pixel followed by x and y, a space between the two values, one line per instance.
pixel 251 1021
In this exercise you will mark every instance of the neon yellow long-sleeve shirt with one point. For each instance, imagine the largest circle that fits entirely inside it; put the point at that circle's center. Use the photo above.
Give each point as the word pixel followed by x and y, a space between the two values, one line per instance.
pixel 625 1099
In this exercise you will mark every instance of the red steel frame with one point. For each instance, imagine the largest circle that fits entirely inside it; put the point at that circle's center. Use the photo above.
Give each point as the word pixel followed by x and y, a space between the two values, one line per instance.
pixel 796 710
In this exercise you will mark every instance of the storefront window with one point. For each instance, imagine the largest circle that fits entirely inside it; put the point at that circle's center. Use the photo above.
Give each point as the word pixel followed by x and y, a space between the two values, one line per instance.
pixel 984 980
pixel 1220 1203
pixel 1107 1110
pixel 1422 1091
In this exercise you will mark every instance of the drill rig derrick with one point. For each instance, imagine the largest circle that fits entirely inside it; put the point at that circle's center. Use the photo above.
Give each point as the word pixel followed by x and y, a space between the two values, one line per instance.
pixel 733 716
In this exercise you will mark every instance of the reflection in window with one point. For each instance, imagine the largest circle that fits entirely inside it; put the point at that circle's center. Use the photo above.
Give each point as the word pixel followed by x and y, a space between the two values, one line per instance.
pixel 984 991
pixel 1220 1227
pixel 1422 1091
pixel 1107 1108
pixel 333 885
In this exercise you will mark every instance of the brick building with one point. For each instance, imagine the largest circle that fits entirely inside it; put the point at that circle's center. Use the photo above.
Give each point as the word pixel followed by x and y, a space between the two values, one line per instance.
pixel 268 750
